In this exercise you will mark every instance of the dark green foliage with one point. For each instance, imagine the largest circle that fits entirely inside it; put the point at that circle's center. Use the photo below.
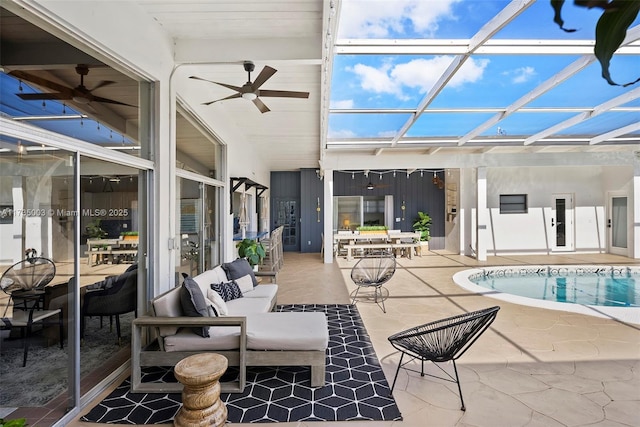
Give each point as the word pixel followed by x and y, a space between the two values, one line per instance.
pixel 18 422
pixel 423 224
pixel 611 28
pixel 252 250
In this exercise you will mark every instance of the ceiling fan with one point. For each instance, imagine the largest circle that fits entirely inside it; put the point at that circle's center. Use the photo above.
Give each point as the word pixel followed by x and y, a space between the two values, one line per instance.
pixel 251 91
pixel 79 94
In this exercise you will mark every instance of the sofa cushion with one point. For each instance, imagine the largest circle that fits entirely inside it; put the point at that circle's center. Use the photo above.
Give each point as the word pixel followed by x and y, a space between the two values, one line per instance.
pixel 266 290
pixel 244 306
pixel 220 338
pixel 193 303
pixel 287 331
pixel 244 283
pixel 217 302
pixel 238 268
pixel 206 278
pixel 168 305
pixel 228 291
pixel 265 331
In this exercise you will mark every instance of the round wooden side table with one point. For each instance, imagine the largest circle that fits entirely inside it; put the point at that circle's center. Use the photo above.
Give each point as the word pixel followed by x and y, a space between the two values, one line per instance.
pixel 201 404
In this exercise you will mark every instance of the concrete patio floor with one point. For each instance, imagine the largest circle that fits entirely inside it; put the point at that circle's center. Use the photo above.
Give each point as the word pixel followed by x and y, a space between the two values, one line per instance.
pixel 533 367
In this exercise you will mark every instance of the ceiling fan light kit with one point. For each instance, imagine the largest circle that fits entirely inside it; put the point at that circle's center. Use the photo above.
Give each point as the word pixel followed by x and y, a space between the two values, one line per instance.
pixel 251 90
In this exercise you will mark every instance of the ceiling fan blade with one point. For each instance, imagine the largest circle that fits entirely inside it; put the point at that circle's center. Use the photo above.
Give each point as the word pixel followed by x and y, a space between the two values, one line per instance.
pixel 102 84
pixel 93 98
pixel 235 95
pixel 42 96
pixel 284 94
pixel 264 75
pixel 39 81
pixel 236 88
pixel 263 108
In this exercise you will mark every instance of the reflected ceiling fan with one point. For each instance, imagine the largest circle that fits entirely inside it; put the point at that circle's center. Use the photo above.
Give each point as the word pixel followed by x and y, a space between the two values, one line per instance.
pixel 251 91
pixel 79 94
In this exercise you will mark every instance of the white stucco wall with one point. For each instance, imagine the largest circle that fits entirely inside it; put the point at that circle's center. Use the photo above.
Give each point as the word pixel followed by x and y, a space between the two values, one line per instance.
pixel 531 232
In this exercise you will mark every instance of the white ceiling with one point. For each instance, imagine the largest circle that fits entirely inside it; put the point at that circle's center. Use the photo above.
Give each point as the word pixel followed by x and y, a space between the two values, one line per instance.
pixel 214 38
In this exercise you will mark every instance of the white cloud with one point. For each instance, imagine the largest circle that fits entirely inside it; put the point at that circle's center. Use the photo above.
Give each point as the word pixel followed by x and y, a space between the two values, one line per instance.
pixel 346 103
pixel 521 75
pixel 340 134
pixel 376 80
pixel 417 75
pixel 380 18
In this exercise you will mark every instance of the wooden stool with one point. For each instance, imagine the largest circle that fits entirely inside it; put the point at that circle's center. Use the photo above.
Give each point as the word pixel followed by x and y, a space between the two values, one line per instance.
pixel 201 404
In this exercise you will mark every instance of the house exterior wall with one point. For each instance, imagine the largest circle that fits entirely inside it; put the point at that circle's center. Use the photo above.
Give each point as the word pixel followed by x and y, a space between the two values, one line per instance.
pixel 531 232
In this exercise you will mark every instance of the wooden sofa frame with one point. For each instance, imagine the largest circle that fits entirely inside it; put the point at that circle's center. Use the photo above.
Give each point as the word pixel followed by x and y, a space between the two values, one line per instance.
pixel 152 355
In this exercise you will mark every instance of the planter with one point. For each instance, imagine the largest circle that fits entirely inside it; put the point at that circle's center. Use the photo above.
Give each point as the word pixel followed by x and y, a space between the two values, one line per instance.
pixel 372 231
pixel 130 238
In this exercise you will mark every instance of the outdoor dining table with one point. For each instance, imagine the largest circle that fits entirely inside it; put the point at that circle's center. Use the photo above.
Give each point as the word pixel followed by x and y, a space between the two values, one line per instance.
pixel 375 240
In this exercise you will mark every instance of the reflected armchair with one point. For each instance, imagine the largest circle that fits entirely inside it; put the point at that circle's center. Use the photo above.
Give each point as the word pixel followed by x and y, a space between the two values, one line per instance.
pixel 114 296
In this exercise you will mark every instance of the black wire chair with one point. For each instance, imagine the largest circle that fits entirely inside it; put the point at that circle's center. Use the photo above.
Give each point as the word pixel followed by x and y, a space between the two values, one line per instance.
pixel 24 282
pixel 442 341
pixel 373 272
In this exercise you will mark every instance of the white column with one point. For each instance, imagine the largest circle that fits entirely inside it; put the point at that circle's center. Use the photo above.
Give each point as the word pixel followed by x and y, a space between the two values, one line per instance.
pixel 164 209
pixel 482 214
pixel 635 200
pixel 328 216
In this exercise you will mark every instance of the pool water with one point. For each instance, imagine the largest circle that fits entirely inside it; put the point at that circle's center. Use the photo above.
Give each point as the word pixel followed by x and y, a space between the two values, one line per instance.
pixel 587 289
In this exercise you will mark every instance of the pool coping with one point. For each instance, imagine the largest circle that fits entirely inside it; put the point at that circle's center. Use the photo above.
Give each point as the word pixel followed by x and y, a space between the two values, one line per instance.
pixel 621 314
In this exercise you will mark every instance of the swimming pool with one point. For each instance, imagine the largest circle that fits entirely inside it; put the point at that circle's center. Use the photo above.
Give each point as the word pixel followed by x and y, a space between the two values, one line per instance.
pixel 598 290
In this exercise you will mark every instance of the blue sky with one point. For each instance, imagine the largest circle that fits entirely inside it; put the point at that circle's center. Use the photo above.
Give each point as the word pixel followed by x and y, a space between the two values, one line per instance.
pixel 384 81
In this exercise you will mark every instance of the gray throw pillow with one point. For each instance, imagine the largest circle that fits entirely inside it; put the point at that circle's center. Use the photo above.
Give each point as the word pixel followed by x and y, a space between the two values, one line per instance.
pixel 193 304
pixel 238 268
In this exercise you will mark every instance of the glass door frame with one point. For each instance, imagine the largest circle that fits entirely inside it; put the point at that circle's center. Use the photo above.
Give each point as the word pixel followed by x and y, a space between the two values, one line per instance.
pixel 612 224
pixel 568 223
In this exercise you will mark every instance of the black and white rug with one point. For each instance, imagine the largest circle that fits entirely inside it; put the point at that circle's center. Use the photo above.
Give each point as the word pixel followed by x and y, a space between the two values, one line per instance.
pixel 356 388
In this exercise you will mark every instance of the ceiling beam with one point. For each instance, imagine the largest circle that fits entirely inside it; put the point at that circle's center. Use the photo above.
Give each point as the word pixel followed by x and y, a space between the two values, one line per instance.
pixel 506 15
pixel 614 133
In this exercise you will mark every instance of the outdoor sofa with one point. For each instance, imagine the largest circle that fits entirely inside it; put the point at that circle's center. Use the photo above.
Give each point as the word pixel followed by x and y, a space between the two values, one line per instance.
pixel 245 330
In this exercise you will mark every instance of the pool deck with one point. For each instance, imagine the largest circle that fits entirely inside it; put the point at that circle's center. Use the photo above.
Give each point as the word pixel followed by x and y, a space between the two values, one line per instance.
pixel 534 367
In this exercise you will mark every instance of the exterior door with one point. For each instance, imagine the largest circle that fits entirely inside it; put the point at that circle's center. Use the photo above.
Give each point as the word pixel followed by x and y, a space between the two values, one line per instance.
pixel 287 214
pixel 562 223
pixel 617 224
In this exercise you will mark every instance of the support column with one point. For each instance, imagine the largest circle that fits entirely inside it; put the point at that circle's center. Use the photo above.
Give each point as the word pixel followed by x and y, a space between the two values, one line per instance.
pixel 482 222
pixel 635 212
pixel 328 216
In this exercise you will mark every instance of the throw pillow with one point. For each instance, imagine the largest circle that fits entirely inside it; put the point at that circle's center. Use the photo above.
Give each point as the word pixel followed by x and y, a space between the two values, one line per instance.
pixel 238 268
pixel 228 291
pixel 212 311
pixel 193 304
pixel 217 302
pixel 244 283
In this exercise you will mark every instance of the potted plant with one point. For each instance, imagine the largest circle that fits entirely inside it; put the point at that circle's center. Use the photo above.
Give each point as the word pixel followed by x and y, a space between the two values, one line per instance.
pixel 94 231
pixel 422 225
pixel 129 235
pixel 372 229
pixel 252 250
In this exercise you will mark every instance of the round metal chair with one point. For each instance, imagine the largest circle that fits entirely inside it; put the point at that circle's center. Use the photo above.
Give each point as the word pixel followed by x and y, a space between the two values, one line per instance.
pixel 442 341
pixel 25 280
pixel 373 272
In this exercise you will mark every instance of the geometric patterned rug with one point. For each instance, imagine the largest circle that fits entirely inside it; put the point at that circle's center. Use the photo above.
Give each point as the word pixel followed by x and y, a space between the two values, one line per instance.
pixel 356 388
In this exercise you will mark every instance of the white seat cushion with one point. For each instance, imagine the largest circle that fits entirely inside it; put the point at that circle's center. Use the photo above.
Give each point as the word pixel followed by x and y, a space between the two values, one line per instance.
pixel 262 291
pixel 265 331
pixel 244 306
pixel 287 331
